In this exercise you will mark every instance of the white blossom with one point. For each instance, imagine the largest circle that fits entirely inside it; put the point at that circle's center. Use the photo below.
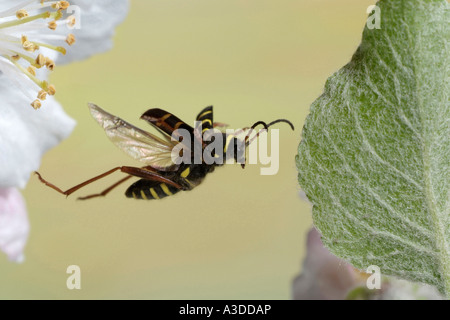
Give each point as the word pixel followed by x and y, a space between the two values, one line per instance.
pixel 36 36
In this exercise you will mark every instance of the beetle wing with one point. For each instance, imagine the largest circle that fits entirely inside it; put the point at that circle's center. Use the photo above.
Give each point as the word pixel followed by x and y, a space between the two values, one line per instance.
pixel 137 143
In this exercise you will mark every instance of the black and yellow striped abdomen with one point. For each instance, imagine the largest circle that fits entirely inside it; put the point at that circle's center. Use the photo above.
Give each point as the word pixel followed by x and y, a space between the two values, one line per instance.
pixel 149 190
pixel 188 177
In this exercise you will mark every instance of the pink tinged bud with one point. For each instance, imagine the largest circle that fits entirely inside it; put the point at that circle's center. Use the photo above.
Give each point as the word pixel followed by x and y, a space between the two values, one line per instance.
pixel 14 225
pixel 324 276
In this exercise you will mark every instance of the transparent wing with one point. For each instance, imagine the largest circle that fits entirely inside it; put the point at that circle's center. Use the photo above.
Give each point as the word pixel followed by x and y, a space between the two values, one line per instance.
pixel 137 143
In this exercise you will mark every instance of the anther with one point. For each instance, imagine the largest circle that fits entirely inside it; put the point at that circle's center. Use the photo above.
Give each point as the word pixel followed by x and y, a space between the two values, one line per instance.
pixel 52 25
pixel 63 5
pixel 32 70
pixel 36 104
pixel 22 14
pixel 51 90
pixel 70 39
pixel 19 47
pixel 71 21
pixel 50 64
pixel 42 95
pixel 29 46
pixel 40 60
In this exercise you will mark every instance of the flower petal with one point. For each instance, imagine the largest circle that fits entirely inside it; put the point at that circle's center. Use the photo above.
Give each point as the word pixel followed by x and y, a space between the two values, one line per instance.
pixel 98 20
pixel 14 225
pixel 26 134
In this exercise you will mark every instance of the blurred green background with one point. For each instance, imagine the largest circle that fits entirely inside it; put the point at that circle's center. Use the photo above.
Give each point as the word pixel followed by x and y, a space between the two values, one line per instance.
pixel 239 235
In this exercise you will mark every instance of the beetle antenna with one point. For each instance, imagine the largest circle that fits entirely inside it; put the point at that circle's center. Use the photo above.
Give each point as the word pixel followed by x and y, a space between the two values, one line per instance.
pixel 282 120
pixel 266 127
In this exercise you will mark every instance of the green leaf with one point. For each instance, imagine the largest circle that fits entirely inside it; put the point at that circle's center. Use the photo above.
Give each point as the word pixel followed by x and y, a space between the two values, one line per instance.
pixel 375 155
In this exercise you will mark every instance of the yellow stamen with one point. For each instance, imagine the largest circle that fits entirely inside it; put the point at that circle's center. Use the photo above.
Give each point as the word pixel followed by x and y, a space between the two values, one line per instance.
pixel 51 90
pixel 42 84
pixel 58 15
pixel 29 64
pixel 52 25
pixel 32 70
pixel 71 21
pixel 42 95
pixel 13 23
pixel 30 60
pixel 30 46
pixel 50 64
pixel 70 39
pixel 36 104
pixel 22 14
pixel 40 60
pixel 59 49
pixel 63 5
